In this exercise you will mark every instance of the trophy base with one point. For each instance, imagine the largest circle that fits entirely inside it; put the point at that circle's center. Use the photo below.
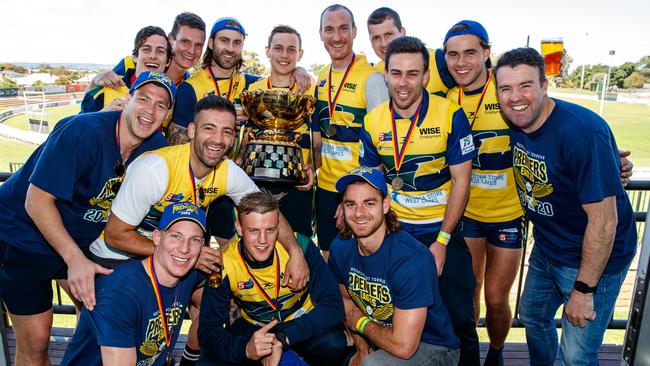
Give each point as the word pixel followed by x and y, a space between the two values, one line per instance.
pixel 274 162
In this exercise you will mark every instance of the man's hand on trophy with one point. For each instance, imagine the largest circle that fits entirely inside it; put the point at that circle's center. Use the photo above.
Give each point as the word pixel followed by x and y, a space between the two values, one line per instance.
pixel 310 179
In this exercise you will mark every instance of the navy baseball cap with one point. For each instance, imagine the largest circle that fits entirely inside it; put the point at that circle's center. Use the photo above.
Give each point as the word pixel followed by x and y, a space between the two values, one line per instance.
pixel 471 27
pixel 157 77
pixel 182 211
pixel 222 23
pixel 372 176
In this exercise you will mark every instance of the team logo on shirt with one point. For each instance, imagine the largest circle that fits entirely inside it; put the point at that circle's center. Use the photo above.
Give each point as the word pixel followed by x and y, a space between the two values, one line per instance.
pixel 154 340
pixel 371 294
pixel 245 285
pixel 386 136
pixel 103 200
pixel 532 181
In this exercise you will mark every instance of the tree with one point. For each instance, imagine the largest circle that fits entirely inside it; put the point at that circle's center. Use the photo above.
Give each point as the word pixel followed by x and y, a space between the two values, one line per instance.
pixel 635 80
pixel 252 64
pixel 5 82
pixel 64 80
pixel 315 68
pixel 620 73
pixel 38 85
pixel 644 66
pixel 14 68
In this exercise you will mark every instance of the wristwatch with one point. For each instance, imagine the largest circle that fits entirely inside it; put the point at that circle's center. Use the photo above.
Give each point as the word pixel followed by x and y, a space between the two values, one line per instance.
pixel 281 336
pixel 584 288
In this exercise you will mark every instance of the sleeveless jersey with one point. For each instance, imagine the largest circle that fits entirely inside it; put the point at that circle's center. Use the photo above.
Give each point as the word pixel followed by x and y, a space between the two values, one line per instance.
pixel 303 130
pixel 440 138
pixel 248 297
pixel 493 195
pixel 180 187
pixel 439 78
pixel 339 150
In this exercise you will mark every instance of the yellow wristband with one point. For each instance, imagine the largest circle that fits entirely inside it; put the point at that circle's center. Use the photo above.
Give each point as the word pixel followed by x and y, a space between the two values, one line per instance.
pixel 365 321
pixel 443 237
pixel 359 321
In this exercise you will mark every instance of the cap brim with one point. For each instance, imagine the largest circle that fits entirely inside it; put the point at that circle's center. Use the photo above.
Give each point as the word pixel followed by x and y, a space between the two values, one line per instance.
pixel 159 83
pixel 343 182
pixel 201 225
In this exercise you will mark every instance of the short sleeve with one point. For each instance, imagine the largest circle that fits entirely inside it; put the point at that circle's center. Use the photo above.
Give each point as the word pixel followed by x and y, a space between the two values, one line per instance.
pixel 595 167
pixel 412 282
pixel 115 326
pixel 184 105
pixel 368 154
pixel 238 183
pixel 62 155
pixel 460 144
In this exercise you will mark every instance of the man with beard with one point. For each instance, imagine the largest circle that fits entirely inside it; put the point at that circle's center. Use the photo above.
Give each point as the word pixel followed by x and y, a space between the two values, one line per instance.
pixel 424 144
pixel 384 25
pixel 346 90
pixel 57 204
pixel 194 172
pixel 151 52
pixel 388 281
pixel 141 305
pixel 566 167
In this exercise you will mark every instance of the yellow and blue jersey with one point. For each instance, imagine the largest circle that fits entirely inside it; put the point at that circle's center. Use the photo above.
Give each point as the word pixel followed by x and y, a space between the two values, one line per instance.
pixel 303 130
pixel 440 138
pixel 493 195
pixel 340 144
pixel 440 81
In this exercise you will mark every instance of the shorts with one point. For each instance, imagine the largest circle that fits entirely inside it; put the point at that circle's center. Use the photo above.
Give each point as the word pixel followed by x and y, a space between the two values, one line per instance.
pixel 221 218
pixel 506 235
pixel 26 278
pixel 326 204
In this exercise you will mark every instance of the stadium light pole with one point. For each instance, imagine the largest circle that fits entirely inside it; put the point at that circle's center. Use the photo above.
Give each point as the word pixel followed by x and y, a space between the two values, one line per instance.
pixel 605 82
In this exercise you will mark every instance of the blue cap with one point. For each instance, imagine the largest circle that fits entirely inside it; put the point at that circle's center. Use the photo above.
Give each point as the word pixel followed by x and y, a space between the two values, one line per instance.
pixel 157 77
pixel 372 176
pixel 222 23
pixel 472 27
pixel 181 211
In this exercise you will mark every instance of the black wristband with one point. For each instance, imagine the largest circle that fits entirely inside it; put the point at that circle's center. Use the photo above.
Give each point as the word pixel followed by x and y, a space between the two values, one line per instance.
pixel 282 337
pixel 584 288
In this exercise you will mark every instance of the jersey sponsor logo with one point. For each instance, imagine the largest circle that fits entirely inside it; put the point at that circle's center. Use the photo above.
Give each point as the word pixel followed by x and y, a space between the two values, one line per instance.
pixel 175 197
pixel 349 86
pixel 427 132
pixel 386 136
pixel 214 92
pixel 489 181
pixel 428 199
pixel 336 152
pixel 507 238
pixel 370 294
pixel 322 83
pixel 245 285
pixel 211 190
pixel 492 107
pixel 532 181
pixel 466 144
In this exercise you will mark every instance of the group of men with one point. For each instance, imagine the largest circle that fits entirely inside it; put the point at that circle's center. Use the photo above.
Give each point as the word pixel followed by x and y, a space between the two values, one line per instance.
pixel 428 149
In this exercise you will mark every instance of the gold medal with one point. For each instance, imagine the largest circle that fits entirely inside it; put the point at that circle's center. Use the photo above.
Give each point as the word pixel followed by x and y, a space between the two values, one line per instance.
pixel 397 183
pixel 331 130
pixel 170 359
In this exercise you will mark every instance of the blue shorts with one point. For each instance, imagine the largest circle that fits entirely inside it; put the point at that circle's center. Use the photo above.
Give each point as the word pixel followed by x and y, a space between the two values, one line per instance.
pixel 507 234
pixel 26 278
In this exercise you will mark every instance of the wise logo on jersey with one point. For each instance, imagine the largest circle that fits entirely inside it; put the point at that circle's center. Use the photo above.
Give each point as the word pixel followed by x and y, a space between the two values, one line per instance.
pixel 372 295
pixel 154 340
pixel 532 181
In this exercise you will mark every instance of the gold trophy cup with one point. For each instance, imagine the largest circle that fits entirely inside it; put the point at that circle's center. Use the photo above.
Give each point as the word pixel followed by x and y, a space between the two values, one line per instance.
pixel 272 155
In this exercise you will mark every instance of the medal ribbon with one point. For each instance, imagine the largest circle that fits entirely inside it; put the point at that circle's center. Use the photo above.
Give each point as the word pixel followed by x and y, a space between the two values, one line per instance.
pixel 480 101
pixel 117 135
pixel 267 298
pixel 216 84
pixel 161 308
pixel 330 104
pixel 193 184
pixel 399 154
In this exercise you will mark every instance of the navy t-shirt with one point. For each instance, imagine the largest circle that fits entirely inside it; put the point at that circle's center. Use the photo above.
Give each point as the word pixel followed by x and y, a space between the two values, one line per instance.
pixel 76 165
pixel 400 274
pixel 570 161
pixel 127 316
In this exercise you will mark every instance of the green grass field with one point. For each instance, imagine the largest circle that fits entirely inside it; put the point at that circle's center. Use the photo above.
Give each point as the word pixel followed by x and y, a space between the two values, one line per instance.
pixel 52 115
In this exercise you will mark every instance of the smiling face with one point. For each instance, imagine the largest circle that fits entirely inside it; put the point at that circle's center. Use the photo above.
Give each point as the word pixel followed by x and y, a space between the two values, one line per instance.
pixel 337 34
pixel 284 53
pixel 259 233
pixel 227 46
pixel 176 251
pixel 187 46
pixel 466 61
pixel 364 210
pixel 152 55
pixel 211 136
pixel 146 110
pixel 382 34
pixel 522 96
pixel 406 76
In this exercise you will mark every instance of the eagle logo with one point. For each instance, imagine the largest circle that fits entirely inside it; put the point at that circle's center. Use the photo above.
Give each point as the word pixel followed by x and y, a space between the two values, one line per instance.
pixel 533 191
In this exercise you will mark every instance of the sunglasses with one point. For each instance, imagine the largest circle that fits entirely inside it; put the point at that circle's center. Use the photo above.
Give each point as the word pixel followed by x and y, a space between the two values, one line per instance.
pixel 119 169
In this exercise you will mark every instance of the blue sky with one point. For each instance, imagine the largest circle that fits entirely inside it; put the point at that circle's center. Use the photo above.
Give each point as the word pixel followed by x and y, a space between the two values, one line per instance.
pixel 102 31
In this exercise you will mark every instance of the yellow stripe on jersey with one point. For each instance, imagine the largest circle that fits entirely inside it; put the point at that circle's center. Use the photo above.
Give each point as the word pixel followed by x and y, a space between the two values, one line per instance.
pixel 252 305
pixel 262 84
pixel 340 152
pixel 493 195
pixel 203 85
pixel 425 159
